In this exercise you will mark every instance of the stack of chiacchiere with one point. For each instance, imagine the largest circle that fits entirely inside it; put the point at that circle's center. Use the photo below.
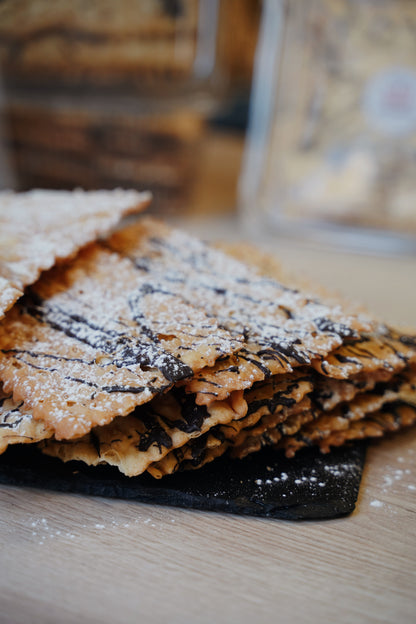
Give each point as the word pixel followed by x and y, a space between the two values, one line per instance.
pixel 151 351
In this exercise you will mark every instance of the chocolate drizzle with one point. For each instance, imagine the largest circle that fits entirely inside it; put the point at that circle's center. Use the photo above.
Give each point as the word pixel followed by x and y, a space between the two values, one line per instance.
pixel 95 441
pixel 280 326
pixel 192 415
pixel 326 325
pixel 154 434
pixel 124 349
pixel 408 340
pixel 282 398
pixel 12 418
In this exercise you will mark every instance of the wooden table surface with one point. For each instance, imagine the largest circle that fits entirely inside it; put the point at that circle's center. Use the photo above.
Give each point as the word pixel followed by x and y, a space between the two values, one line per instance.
pixel 68 558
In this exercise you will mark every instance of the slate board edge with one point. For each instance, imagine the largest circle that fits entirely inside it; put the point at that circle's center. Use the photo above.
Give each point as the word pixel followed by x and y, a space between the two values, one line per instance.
pixel 319 509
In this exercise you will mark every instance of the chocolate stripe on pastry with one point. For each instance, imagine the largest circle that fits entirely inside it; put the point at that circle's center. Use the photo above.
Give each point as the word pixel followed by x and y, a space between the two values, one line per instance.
pixel 390 418
pixel 401 390
pixel 388 350
pixel 173 430
pixel 217 440
pixel 91 343
pixel 383 350
pixel 327 393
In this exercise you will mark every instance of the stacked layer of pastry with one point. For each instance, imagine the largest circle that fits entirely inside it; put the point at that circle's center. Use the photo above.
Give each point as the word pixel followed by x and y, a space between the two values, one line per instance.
pixel 152 351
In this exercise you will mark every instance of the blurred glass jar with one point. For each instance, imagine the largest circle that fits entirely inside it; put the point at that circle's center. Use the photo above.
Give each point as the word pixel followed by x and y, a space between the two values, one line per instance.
pixel 140 45
pixel 102 93
pixel 332 138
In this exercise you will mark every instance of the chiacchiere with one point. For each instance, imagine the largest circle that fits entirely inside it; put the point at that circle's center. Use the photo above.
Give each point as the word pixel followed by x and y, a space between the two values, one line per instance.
pixel 152 351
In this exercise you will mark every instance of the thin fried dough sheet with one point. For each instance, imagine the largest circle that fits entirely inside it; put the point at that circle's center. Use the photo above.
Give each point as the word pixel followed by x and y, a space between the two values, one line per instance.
pixel 315 426
pixel 369 356
pixel 327 392
pixel 297 433
pixel 95 338
pixel 389 350
pixel 382 349
pixel 391 418
pixel 41 227
pixel 173 431
pixel 401 390
pixel 156 352
pixel 283 328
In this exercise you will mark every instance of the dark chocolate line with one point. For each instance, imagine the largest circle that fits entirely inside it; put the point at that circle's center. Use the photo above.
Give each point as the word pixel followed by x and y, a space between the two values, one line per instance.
pixel 12 425
pixel 36 354
pixel 339 329
pixel 154 434
pixel 124 350
pixel 256 363
pixel 209 382
pixel 107 389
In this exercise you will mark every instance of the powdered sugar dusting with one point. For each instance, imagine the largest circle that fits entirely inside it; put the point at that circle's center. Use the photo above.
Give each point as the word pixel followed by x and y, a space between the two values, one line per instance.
pixel 166 314
pixel 45 530
pixel 376 503
pixel 38 227
pixel 395 473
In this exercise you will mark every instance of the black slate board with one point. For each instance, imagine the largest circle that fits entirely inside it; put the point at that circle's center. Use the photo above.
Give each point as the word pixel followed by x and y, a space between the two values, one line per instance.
pixel 310 486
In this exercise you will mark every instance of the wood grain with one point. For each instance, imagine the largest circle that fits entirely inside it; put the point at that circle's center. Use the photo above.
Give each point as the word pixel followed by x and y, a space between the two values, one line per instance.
pixel 67 558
